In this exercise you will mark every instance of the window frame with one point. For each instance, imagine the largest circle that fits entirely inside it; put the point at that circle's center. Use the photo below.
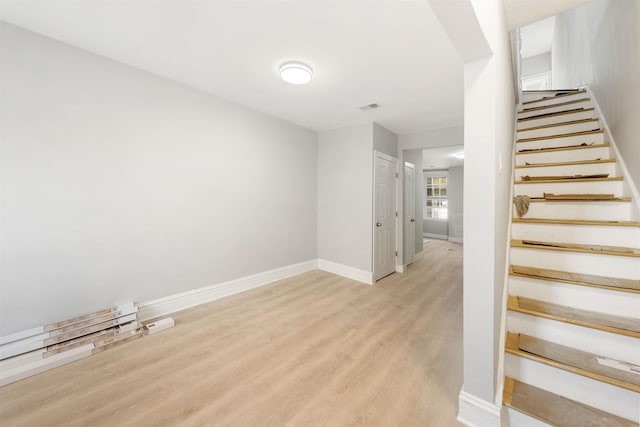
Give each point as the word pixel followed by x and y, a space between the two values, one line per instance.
pixel 435 174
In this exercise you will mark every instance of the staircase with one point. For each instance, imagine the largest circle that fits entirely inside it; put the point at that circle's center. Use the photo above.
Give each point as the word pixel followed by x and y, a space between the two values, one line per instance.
pixel 573 312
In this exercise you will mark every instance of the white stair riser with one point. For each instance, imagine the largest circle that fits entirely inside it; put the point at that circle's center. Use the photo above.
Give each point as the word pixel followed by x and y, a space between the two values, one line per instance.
pixel 597 138
pixel 542 121
pixel 568 170
pixel 573 233
pixel 537 189
pixel 581 297
pixel 535 95
pixel 514 418
pixel 559 130
pixel 601 343
pixel 615 400
pixel 624 267
pixel 556 109
pixel 552 101
pixel 563 155
pixel 598 211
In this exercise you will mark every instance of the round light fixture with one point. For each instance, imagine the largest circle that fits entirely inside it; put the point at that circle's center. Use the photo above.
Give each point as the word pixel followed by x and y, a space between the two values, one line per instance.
pixel 459 155
pixel 296 73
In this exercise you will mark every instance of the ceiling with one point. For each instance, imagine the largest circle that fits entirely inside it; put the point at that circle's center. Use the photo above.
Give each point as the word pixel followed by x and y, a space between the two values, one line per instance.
pixel 523 12
pixel 537 38
pixel 441 157
pixel 394 53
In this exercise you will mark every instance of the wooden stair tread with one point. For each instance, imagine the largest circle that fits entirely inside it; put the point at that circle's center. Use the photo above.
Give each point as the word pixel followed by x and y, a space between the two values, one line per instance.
pixel 559 113
pixel 574 247
pixel 570 179
pixel 577 222
pixel 553 125
pixel 571 360
pixel 562 135
pixel 556 410
pixel 569 147
pixel 559 104
pixel 590 319
pixel 562 94
pixel 613 283
pixel 583 200
pixel 573 163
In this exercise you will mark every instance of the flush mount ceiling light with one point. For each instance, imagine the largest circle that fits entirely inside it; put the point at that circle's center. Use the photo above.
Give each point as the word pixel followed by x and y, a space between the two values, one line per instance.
pixel 459 155
pixel 296 73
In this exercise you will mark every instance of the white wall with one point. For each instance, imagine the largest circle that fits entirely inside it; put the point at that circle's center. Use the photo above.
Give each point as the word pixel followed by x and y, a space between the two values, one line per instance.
pixel 385 141
pixel 598 44
pixel 536 64
pixel 443 137
pixel 415 157
pixel 455 198
pixel 489 123
pixel 345 196
pixel 118 185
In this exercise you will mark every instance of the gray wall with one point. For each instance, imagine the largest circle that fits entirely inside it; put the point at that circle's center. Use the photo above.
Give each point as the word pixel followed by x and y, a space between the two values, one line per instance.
pixel 415 157
pixel 118 185
pixel 598 44
pixel 345 196
pixel 384 141
pixel 455 198
pixel 536 64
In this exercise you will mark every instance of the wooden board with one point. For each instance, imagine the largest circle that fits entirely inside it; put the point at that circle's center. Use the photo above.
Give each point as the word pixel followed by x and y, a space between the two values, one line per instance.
pixel 574 163
pixel 590 319
pixel 572 122
pixel 574 247
pixel 560 104
pixel 571 360
pixel 559 178
pixel 556 410
pixel 562 135
pixel 561 148
pixel 626 285
pixel 577 222
pixel 560 113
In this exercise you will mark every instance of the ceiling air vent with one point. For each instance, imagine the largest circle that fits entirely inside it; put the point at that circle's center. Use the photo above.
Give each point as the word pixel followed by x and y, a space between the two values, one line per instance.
pixel 371 106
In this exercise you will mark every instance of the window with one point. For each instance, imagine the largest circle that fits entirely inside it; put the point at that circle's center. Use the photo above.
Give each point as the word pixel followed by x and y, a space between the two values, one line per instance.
pixel 436 196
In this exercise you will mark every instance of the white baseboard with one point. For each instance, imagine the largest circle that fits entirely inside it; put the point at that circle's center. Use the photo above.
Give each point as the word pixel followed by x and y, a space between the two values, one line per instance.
pixel 172 303
pixel 455 239
pixel 401 268
pixel 435 236
pixel 346 271
pixel 476 412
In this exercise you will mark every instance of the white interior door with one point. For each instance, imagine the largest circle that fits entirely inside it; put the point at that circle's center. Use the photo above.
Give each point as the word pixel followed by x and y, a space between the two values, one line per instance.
pixel 384 215
pixel 409 213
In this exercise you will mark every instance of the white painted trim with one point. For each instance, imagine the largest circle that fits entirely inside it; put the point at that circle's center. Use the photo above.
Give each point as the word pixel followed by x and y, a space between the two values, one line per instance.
pixel 172 303
pixel 627 177
pixel 346 271
pixel 505 288
pixel 476 412
pixel 455 239
pixel 436 236
pixel 8 376
pixel 401 268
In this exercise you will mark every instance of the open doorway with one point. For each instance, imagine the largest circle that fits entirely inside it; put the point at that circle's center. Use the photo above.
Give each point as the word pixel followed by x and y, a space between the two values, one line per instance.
pixel 535 52
pixel 435 203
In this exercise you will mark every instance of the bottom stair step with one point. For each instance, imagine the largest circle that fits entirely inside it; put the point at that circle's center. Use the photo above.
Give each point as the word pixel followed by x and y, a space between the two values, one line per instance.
pixel 576 361
pixel 557 410
pixel 590 319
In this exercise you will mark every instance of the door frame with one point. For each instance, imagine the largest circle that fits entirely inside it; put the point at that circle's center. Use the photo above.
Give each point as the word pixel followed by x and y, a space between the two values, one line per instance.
pixel 409 249
pixel 384 156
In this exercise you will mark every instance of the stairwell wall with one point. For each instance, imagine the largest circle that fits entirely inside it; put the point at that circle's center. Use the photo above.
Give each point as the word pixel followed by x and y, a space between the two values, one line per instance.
pixel 598 45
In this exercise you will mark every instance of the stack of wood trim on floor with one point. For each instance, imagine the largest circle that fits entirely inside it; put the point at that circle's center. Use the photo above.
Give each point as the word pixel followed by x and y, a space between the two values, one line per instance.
pixel 36 350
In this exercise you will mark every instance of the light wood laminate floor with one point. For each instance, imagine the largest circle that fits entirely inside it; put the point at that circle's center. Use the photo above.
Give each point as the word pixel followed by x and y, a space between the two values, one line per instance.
pixel 313 350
